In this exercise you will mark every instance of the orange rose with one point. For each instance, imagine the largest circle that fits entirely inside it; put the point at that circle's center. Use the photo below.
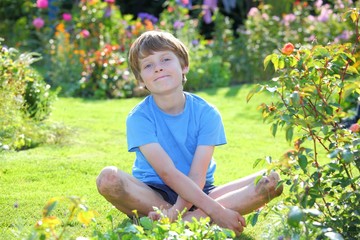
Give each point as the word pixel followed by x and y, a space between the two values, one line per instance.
pixel 288 49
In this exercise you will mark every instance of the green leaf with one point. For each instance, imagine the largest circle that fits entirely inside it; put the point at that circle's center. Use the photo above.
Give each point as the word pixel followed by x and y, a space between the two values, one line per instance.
pixel 257 179
pixel 334 153
pixel 273 129
pixel 314 193
pixel 267 60
pixel 281 63
pixel 50 206
pixel 229 233
pixel 303 162
pixel 253 218
pixel 347 156
pixel 325 129
pixel 131 228
pixel 334 166
pixel 352 69
pixel 293 61
pixel 295 98
pixel 289 134
pixel 258 161
pixel 146 223
pixel 275 61
pixel 321 51
pixel 258 88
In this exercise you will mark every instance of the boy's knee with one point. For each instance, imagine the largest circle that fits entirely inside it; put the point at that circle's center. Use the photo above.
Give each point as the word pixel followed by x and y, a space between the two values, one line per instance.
pixel 107 179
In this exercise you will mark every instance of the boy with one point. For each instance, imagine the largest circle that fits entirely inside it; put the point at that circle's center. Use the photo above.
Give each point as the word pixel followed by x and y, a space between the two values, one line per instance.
pixel 173 134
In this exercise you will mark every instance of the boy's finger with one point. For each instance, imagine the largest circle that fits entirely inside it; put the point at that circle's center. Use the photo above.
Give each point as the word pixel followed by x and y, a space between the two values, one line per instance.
pixel 242 221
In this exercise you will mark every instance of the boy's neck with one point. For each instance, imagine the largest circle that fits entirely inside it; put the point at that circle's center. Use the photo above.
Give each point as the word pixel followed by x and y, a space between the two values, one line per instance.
pixel 171 104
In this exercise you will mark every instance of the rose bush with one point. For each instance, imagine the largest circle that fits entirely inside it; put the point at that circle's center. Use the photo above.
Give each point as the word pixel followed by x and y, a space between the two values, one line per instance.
pixel 321 171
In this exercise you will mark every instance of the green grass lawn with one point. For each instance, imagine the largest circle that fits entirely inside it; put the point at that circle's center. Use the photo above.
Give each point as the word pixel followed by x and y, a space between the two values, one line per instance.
pixel 28 179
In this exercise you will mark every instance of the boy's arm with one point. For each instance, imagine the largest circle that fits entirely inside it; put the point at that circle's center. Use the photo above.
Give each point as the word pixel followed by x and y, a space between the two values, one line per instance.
pixel 188 190
pixel 197 173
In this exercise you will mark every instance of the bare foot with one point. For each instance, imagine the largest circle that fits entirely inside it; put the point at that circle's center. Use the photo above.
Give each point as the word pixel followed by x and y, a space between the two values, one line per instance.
pixel 267 186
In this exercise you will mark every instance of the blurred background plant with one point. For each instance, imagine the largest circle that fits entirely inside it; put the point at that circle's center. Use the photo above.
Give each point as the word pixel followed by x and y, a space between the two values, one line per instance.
pixel 84 43
pixel 25 101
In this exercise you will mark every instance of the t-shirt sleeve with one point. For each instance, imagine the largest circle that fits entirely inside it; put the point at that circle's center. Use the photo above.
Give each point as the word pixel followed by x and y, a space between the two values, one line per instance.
pixel 211 130
pixel 140 130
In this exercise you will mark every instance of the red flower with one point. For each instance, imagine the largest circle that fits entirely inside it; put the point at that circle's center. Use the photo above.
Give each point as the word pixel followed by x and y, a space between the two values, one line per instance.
pixel 288 49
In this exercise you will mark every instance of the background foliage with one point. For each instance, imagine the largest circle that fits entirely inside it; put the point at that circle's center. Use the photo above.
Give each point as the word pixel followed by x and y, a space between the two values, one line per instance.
pixel 25 101
pixel 79 49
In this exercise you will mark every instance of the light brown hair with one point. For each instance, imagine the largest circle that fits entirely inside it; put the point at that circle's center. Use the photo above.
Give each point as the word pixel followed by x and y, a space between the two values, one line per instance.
pixel 155 41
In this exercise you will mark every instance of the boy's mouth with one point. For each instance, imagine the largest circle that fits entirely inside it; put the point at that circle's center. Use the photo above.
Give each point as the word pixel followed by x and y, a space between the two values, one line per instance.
pixel 161 77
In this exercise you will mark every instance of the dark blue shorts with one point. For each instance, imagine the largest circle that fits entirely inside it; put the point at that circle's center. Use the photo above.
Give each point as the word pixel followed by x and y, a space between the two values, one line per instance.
pixel 170 195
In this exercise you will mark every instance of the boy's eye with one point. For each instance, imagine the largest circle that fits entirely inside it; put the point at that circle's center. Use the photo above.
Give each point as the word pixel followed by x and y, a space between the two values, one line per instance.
pixel 147 66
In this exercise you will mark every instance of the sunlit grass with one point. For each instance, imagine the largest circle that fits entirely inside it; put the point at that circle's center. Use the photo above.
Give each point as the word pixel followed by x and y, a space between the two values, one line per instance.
pixel 28 179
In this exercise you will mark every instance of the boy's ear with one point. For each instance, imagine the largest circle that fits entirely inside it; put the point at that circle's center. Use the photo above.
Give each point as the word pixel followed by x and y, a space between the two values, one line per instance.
pixel 141 84
pixel 185 69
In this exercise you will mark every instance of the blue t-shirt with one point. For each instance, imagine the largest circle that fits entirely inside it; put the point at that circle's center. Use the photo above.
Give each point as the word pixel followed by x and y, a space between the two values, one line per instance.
pixel 179 135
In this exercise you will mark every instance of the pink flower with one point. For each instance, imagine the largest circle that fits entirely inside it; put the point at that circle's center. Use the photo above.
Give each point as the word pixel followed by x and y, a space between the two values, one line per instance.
pixel 85 33
pixel 42 3
pixel 289 18
pixel 355 127
pixel 67 17
pixel 265 16
pixel 38 23
pixel 325 13
pixel 253 12
pixel 110 1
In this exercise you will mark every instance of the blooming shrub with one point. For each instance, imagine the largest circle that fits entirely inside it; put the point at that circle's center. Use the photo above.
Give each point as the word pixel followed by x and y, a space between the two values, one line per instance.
pixel 25 100
pixel 322 168
pixel 63 61
pixel 105 74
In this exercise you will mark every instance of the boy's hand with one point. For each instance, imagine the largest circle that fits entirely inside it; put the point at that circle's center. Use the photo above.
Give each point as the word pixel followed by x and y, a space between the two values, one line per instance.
pixel 171 213
pixel 230 219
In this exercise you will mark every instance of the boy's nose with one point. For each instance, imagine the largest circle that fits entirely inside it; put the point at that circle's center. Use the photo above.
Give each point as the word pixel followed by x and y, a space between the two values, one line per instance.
pixel 158 68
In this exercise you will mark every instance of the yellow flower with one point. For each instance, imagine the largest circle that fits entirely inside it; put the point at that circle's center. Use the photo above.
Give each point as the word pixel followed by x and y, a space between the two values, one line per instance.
pixel 60 27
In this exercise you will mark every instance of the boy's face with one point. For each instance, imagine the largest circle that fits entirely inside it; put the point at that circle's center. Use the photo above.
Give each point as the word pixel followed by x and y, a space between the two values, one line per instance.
pixel 162 72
